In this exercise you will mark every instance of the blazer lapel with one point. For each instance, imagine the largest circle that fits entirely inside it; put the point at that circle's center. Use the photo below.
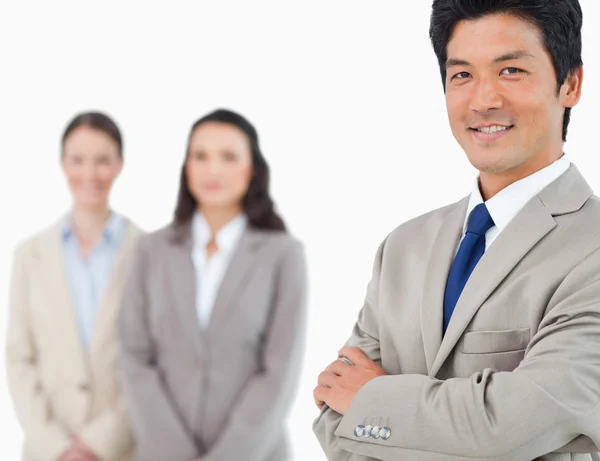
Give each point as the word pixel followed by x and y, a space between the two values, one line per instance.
pixel 182 275
pixel 235 278
pixel 111 299
pixel 565 195
pixel 61 309
pixel 436 273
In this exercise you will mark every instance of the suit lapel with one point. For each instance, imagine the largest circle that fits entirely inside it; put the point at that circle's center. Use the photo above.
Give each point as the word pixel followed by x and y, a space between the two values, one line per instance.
pixel 531 224
pixel 104 324
pixel 436 273
pixel 182 275
pixel 234 280
pixel 565 195
pixel 61 310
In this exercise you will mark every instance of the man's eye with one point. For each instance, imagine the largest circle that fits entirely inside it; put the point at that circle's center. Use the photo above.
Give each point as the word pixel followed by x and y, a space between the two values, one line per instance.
pixel 511 70
pixel 462 75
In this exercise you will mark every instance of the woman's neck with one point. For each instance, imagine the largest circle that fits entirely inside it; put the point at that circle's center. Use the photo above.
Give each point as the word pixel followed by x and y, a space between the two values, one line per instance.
pixel 88 224
pixel 217 218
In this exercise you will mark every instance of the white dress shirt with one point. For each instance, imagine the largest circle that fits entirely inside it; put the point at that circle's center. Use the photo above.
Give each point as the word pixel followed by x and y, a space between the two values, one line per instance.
pixel 210 272
pixel 507 203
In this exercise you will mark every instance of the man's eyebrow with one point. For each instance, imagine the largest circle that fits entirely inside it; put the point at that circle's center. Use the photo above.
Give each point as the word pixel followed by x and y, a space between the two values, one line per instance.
pixel 514 55
pixel 505 57
pixel 456 62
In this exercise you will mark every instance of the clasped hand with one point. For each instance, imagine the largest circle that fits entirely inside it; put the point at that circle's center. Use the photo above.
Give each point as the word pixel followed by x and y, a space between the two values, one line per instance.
pixel 340 382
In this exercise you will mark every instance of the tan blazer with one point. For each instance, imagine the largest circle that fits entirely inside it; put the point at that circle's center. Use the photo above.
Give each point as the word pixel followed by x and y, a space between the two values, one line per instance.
pixel 59 389
pixel 223 392
pixel 517 374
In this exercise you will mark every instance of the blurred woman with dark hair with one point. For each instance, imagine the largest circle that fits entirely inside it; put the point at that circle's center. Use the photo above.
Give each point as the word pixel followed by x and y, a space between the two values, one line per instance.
pixel 212 324
pixel 65 294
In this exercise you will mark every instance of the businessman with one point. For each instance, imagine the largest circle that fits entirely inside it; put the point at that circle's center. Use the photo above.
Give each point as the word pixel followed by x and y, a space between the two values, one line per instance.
pixel 479 338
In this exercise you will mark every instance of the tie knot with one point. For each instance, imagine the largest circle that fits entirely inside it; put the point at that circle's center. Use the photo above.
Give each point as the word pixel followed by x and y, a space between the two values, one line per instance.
pixel 480 220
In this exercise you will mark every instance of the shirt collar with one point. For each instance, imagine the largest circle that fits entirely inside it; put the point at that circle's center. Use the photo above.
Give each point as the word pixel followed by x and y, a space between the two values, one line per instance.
pixel 226 237
pixel 113 229
pixel 507 203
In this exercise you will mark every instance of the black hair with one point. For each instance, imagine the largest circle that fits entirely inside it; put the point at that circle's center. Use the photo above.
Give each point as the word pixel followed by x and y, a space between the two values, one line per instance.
pixel 559 22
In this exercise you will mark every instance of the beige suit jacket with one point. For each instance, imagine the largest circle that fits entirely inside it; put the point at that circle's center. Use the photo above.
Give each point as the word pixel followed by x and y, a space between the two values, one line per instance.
pixel 60 389
pixel 517 374
pixel 222 392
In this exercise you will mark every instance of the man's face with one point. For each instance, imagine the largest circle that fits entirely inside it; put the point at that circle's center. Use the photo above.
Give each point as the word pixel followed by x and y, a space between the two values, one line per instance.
pixel 501 96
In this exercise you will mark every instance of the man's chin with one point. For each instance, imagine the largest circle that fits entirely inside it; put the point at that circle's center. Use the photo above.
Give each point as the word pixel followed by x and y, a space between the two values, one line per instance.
pixel 491 170
pixel 484 164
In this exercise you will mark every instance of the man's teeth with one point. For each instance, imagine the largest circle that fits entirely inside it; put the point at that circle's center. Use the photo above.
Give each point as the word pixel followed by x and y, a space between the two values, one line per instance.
pixel 492 129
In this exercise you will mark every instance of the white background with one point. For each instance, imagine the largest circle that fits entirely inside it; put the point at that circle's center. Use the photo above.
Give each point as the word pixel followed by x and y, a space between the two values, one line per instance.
pixel 346 96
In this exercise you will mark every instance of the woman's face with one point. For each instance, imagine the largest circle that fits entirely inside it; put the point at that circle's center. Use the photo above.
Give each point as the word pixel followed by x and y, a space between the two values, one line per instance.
pixel 91 163
pixel 219 165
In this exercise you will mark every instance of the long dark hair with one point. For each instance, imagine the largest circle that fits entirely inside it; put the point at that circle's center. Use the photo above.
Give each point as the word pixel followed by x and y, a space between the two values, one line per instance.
pixel 98 121
pixel 257 203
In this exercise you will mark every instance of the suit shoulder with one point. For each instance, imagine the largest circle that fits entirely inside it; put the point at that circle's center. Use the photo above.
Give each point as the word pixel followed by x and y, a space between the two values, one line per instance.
pixel 593 204
pixel 423 224
pixel 31 245
pixel 279 242
pixel 276 237
pixel 155 238
pixel 586 221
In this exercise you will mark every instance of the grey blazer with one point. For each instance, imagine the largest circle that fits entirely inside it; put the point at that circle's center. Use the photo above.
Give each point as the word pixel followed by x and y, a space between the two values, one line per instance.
pixel 222 393
pixel 517 374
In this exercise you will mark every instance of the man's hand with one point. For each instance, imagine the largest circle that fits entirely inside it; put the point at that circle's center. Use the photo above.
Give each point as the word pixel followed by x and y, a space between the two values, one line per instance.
pixel 78 452
pixel 340 382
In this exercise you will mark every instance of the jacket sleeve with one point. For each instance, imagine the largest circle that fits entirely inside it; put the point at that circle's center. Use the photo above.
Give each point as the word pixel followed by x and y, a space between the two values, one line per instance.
pixel 366 336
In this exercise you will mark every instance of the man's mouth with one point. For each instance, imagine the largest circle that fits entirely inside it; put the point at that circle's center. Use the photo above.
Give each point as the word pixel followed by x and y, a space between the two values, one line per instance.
pixel 492 129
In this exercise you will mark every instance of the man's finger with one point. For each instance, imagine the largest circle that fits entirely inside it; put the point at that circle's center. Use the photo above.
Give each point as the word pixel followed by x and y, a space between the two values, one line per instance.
pixel 346 360
pixel 338 367
pixel 327 378
pixel 356 356
pixel 318 403
pixel 321 394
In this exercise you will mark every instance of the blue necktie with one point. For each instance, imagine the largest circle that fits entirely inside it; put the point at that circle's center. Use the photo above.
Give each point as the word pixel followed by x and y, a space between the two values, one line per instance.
pixel 469 253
